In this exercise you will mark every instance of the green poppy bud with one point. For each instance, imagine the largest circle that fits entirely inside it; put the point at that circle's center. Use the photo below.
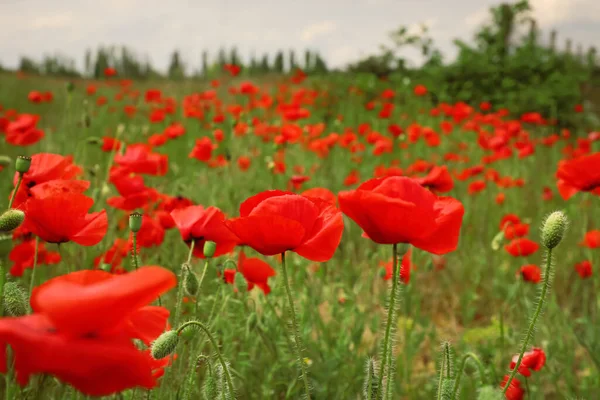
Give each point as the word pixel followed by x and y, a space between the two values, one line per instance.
pixel 209 249
pixel 164 345
pixel 15 300
pixel 190 282
pixel 5 161
pixel 554 229
pixel 11 219
pixel 135 222
pixel 22 164
pixel 70 87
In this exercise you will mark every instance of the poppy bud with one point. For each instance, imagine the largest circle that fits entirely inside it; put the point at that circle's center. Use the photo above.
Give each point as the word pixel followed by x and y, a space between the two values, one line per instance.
pixel 190 282
pixel 87 121
pixel 70 87
pixel 15 300
pixel 11 219
pixel 497 240
pixel 135 222
pixel 447 389
pixel 490 393
pixel 209 248
pixel 210 387
pixel 554 229
pixel 22 164
pixel 240 283
pixel 164 345
pixel 5 161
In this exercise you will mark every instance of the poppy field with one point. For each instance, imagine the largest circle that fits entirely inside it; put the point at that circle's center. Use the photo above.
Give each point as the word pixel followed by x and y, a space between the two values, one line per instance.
pixel 293 237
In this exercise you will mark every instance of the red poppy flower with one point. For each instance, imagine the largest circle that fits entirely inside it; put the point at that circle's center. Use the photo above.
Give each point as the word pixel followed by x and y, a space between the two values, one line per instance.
pixel 399 210
pixel 139 158
pixel 532 360
pixel 133 191
pixel 476 186
pixel 584 269
pixel 110 144
pixel 197 224
pixel 515 391
pixel 22 256
pixel 82 327
pixel 591 239
pixel 64 217
pixel 256 272
pixel 114 256
pixel 521 247
pixel 438 180
pixel 321 193
pixel 202 151
pixel 405 267
pixel 580 174
pixel 274 221
pixel 23 130
pixel 531 273
pixel 512 231
pixel 420 90
pixel 109 72
pixel 34 96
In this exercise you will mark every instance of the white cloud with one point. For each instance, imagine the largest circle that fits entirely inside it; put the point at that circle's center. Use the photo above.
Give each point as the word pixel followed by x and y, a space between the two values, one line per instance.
pixel 318 29
pixel 51 21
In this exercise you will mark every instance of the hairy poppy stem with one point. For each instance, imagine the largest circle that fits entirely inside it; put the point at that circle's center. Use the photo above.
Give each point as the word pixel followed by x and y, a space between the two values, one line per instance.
pixel 134 255
pixel 390 321
pixel 34 268
pixel 461 368
pixel 203 274
pixel 297 340
pixel 191 252
pixel 215 346
pixel 536 314
pixel 441 381
pixel 14 194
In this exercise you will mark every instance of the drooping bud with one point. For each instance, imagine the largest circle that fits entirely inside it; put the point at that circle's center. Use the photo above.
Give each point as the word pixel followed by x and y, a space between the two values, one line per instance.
pixel 164 345
pixel 209 249
pixel 490 393
pixel 240 283
pixel 11 219
pixel 135 222
pixel 15 300
pixel 554 229
pixel 190 282
pixel 22 164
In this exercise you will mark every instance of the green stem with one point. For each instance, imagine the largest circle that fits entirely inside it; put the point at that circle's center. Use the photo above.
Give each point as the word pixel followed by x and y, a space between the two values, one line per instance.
pixel 441 381
pixel 216 348
pixel 35 261
pixel 390 318
pixel 134 255
pixel 202 276
pixel 447 357
pixel 191 252
pixel 463 363
pixel 536 314
pixel 2 282
pixel 298 343
pixel 14 194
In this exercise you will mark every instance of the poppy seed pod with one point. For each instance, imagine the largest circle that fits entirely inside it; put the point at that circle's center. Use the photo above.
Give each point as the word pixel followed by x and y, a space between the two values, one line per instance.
pixel 554 229
pixel 135 222
pixel 11 219
pixel 15 300
pixel 209 249
pixel 22 164
pixel 164 345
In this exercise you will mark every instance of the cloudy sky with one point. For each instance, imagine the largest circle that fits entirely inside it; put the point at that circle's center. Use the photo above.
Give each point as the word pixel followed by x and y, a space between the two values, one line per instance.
pixel 342 30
